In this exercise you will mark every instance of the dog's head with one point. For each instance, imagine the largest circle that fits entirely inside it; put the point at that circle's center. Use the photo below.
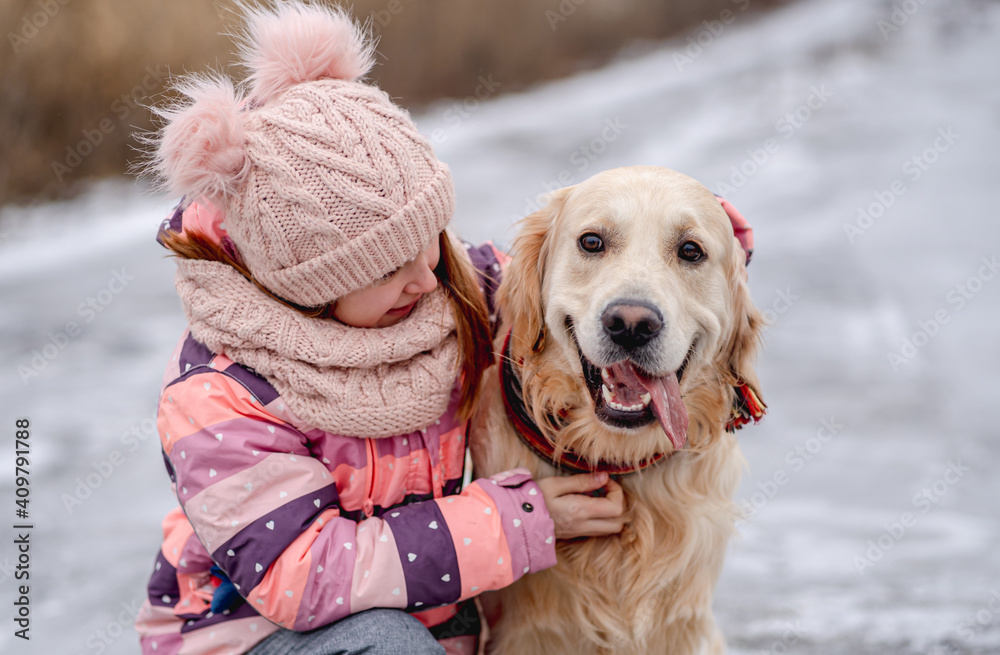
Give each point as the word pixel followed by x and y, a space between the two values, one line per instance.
pixel 629 313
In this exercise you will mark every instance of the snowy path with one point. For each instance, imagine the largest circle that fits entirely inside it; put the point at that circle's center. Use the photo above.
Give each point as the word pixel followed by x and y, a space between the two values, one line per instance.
pixel 874 524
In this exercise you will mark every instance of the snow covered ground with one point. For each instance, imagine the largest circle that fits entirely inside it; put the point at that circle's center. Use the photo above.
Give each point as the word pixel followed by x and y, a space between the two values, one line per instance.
pixel 858 137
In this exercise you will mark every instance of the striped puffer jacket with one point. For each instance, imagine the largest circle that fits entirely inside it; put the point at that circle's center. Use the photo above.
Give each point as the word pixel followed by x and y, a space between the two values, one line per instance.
pixel 283 524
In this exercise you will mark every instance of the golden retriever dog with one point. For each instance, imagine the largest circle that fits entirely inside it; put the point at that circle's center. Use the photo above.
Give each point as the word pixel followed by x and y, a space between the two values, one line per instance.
pixel 632 338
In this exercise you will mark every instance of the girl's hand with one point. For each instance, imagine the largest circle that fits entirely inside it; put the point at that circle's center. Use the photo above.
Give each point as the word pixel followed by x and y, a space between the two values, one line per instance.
pixel 577 515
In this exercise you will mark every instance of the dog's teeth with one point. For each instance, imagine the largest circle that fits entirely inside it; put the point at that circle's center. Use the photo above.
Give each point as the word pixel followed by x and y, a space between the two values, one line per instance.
pixel 623 408
pixel 607 394
pixel 605 375
pixel 644 399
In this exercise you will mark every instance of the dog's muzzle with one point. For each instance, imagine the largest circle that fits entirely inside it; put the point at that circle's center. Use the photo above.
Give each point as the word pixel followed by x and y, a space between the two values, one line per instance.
pixel 631 324
pixel 624 394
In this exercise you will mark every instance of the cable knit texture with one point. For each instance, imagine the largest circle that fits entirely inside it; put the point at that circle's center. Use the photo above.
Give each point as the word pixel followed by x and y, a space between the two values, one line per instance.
pixel 326 185
pixel 341 190
pixel 357 382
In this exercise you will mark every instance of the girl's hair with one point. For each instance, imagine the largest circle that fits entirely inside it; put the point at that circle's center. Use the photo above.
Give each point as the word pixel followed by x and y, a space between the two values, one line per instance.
pixel 456 274
pixel 475 347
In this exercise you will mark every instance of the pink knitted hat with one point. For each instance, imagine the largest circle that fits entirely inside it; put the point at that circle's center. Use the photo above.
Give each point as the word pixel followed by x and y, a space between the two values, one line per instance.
pixel 325 184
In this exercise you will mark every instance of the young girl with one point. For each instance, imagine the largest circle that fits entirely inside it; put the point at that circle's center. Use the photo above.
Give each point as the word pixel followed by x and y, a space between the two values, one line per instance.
pixel 313 415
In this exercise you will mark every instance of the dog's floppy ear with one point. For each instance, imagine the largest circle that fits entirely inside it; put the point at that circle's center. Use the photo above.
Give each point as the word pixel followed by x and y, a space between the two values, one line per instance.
pixel 740 350
pixel 520 292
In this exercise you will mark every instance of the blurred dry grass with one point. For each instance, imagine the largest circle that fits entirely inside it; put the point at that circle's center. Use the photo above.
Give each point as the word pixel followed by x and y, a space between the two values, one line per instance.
pixel 74 74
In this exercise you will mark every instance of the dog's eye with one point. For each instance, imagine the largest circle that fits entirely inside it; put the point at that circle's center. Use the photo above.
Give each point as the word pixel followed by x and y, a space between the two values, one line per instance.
pixel 591 242
pixel 691 251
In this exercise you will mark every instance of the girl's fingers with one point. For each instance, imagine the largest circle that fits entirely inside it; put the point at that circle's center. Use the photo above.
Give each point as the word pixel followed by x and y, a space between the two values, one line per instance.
pixel 601 527
pixel 602 508
pixel 577 484
pixel 616 496
pixel 578 514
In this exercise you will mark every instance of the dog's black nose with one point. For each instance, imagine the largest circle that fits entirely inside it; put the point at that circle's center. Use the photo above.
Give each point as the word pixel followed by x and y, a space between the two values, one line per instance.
pixel 631 324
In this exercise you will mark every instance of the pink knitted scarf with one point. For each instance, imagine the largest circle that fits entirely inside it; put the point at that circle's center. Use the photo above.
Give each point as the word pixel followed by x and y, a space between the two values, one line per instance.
pixel 349 381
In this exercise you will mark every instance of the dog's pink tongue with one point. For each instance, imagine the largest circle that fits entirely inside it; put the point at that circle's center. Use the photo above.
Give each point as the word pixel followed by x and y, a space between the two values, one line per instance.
pixel 665 394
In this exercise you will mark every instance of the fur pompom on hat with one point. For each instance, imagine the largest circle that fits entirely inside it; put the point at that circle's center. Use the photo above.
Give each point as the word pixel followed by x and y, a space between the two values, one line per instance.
pixel 325 184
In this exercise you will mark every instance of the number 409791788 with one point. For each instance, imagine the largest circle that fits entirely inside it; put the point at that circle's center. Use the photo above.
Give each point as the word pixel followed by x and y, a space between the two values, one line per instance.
pixel 22 448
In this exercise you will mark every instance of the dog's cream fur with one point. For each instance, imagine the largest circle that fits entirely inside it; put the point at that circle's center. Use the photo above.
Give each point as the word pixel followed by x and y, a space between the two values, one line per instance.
pixel 648 589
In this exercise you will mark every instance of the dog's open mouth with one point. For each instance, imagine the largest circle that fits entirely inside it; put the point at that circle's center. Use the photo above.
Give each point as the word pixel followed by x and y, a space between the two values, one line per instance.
pixel 627 397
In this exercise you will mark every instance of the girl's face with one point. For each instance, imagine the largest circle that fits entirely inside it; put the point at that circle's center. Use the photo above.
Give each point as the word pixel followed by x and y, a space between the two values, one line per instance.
pixel 391 299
